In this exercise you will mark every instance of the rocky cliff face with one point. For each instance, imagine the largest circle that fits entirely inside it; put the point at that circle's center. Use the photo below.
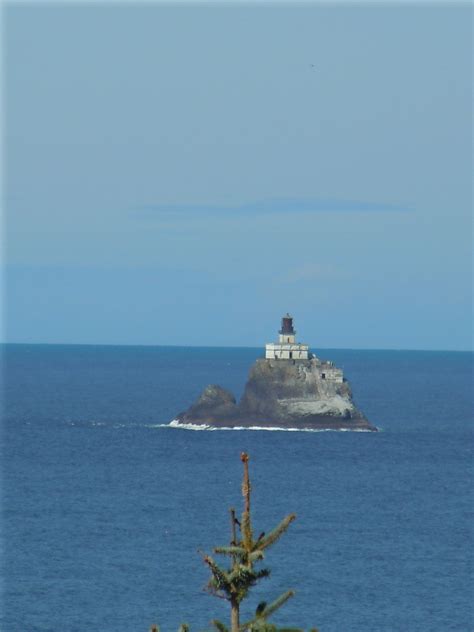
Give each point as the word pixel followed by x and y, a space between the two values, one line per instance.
pixel 282 393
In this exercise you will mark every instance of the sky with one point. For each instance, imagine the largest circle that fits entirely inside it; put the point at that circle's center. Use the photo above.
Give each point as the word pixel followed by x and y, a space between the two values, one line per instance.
pixel 186 174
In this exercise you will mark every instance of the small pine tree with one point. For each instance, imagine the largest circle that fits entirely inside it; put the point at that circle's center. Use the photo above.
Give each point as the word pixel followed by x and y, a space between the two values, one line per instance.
pixel 245 552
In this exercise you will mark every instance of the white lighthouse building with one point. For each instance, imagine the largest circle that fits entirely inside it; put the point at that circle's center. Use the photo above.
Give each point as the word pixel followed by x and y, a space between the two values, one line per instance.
pixel 286 348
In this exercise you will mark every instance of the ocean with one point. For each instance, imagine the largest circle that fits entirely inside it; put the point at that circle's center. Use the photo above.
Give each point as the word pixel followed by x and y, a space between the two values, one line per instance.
pixel 106 511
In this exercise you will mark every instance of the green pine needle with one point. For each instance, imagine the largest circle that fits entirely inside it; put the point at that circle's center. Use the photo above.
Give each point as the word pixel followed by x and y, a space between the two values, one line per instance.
pixel 221 580
pixel 255 556
pixel 219 625
pixel 274 535
pixel 273 607
pixel 230 550
pixel 246 529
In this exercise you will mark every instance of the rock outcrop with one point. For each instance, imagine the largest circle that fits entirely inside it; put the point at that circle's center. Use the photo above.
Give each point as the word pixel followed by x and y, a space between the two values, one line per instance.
pixel 282 393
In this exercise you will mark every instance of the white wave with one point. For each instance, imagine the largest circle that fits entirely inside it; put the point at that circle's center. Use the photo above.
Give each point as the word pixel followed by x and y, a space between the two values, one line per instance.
pixel 176 424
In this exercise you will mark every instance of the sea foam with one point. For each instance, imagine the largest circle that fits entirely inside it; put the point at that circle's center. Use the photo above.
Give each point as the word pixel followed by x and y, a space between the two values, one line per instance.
pixel 176 424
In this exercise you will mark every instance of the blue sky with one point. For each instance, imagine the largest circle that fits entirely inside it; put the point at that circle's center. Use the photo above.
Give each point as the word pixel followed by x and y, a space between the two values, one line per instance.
pixel 186 174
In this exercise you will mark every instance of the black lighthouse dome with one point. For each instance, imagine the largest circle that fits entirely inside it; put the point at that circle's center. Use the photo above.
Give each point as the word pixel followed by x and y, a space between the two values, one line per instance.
pixel 287 325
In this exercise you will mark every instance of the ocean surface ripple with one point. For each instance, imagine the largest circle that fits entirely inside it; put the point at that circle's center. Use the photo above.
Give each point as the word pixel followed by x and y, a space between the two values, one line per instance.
pixel 105 505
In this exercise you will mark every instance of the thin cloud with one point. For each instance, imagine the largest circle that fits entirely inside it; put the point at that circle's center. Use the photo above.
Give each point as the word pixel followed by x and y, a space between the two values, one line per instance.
pixel 268 207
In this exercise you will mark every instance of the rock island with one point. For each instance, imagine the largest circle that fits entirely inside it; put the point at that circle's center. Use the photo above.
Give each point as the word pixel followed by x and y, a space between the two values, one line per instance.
pixel 290 388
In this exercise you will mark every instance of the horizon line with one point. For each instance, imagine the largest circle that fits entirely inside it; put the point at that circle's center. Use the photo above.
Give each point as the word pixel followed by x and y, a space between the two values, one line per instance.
pixel 190 346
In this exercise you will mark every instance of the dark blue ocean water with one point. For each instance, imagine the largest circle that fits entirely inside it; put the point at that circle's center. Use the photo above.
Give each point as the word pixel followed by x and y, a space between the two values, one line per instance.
pixel 104 511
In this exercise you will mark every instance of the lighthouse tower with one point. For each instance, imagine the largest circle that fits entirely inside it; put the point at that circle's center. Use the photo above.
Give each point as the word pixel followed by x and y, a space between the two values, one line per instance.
pixel 287 332
pixel 286 348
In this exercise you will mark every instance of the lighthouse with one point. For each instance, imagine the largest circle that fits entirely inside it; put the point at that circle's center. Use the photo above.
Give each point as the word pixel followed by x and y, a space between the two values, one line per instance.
pixel 286 348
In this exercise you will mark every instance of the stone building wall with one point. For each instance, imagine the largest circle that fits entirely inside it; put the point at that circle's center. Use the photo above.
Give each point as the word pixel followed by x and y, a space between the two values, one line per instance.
pixel 287 339
pixel 327 371
pixel 275 351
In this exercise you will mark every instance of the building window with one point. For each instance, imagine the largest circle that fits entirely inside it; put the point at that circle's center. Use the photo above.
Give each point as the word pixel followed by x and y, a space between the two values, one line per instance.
pixel 323 376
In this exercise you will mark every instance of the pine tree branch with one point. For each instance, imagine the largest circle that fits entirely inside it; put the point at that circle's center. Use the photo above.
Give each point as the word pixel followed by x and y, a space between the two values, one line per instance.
pixel 219 625
pixel 233 523
pixel 233 532
pixel 264 611
pixel 242 576
pixel 273 607
pixel 246 525
pixel 246 530
pixel 184 627
pixel 242 579
pixel 274 535
pixel 263 572
pixel 255 556
pixel 230 550
pixel 221 578
pixel 246 488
